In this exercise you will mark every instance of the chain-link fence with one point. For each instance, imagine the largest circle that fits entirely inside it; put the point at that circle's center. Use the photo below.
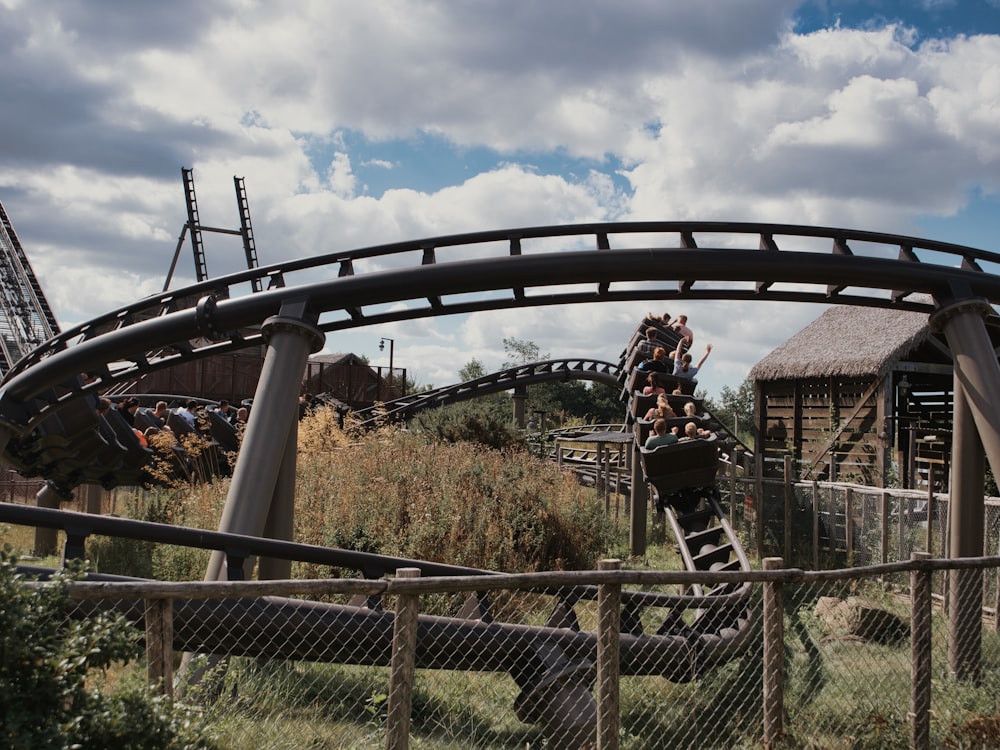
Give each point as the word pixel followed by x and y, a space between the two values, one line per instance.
pixel 861 658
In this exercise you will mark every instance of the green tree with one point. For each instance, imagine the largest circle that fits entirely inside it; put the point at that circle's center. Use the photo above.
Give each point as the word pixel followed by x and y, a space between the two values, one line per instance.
pixel 472 370
pixel 735 408
pixel 522 352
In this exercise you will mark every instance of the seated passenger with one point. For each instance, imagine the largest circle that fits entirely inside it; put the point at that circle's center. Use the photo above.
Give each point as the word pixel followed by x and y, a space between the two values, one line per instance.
pixel 647 346
pixel 690 432
pixel 653 387
pixel 662 409
pixel 160 412
pixel 690 410
pixel 657 364
pixel 682 362
pixel 660 436
pixel 687 335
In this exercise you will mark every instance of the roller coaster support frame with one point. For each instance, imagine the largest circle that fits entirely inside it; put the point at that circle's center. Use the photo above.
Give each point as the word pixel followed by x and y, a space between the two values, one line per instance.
pixel 291 337
pixel 965 587
pixel 518 398
pixel 49 496
pixel 976 370
pixel 976 426
pixel 638 507
pixel 280 522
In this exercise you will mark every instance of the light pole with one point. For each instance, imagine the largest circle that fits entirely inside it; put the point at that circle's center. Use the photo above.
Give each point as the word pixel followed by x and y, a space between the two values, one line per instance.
pixel 392 349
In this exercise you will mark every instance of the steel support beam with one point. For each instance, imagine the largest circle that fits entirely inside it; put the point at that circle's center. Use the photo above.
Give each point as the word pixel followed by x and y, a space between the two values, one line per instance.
pixel 280 522
pixel 965 590
pixel 291 337
pixel 976 369
pixel 46 540
pixel 638 507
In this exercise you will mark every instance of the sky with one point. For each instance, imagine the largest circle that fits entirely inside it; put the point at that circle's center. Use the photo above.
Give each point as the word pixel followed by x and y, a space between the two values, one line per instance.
pixel 356 124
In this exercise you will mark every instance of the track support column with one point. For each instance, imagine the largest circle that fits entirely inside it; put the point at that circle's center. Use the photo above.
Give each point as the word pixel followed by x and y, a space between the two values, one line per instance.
pixel 976 368
pixel 280 523
pixel 638 507
pixel 965 590
pixel 291 336
pixel 49 496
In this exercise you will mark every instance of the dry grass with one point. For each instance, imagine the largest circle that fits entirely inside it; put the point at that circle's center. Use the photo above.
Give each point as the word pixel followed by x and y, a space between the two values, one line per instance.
pixel 395 493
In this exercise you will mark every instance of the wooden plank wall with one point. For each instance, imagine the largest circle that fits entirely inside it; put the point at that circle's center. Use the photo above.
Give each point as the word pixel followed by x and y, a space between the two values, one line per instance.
pixel 801 417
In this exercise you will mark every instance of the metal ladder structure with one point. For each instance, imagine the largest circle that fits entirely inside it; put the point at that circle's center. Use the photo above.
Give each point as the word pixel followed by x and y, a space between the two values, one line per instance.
pixel 195 228
pixel 26 318
pixel 246 230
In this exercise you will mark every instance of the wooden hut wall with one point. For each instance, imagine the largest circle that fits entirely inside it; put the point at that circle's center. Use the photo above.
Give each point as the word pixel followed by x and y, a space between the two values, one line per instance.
pixel 223 376
pixel 827 424
pixel 357 385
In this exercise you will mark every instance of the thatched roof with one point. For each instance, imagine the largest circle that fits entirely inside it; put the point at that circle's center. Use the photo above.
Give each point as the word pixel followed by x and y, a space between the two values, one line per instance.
pixel 846 341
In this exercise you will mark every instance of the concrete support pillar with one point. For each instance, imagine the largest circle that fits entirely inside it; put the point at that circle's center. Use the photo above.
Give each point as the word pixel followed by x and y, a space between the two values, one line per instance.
pixel 965 589
pixel 291 337
pixel 976 368
pixel 519 398
pixel 47 540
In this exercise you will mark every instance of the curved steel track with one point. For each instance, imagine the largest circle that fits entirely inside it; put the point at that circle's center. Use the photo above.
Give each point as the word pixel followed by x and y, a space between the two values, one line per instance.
pixel 499 270
pixel 512 377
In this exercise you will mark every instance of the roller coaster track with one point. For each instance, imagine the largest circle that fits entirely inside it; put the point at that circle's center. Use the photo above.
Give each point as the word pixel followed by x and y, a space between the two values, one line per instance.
pixel 46 399
pixel 465 273
pixel 504 380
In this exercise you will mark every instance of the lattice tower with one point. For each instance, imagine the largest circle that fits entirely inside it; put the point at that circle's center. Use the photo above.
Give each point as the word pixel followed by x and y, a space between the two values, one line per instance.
pixel 26 319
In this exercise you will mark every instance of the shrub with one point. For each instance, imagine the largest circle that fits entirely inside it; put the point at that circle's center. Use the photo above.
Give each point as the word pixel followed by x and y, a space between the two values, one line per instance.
pixel 48 661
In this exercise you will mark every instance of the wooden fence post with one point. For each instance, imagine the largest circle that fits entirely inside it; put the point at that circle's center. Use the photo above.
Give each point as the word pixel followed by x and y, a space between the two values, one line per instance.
pixel 401 666
pixel 849 525
pixel 734 460
pixel 816 525
pixel 774 655
pixel 930 509
pixel 609 599
pixel 884 528
pixel 789 498
pixel 160 645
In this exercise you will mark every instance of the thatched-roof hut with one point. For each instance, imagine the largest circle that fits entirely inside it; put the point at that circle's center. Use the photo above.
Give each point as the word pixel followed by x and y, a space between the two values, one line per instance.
pixel 858 394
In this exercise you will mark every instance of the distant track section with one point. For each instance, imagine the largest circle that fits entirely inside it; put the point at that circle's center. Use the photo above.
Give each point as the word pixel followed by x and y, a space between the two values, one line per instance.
pixel 513 377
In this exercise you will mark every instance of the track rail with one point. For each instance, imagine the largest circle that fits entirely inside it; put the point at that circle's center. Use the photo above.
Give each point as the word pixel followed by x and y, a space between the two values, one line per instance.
pixel 499 270
pixel 504 380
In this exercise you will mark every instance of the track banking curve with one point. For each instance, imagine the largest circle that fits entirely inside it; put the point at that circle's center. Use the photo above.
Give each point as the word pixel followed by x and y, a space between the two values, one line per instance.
pixel 497 270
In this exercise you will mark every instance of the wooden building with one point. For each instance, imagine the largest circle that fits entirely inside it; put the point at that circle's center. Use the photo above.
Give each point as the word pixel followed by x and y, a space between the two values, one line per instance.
pixel 861 394
pixel 350 380
pixel 343 377
pixel 230 376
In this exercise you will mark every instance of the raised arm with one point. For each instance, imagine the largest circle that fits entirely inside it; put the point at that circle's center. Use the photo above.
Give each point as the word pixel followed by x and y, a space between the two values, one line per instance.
pixel 708 350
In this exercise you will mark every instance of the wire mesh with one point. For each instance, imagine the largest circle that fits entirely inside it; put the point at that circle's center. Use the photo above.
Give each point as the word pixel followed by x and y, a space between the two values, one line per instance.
pixel 519 666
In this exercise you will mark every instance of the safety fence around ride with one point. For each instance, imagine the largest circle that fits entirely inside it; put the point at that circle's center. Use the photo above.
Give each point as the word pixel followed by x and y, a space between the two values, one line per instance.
pixel 612 658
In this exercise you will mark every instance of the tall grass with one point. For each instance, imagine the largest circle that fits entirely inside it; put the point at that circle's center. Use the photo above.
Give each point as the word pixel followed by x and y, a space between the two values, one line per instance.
pixel 395 493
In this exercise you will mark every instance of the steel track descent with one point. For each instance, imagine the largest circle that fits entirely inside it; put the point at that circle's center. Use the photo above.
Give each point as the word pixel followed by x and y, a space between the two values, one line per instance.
pixel 498 270
pixel 404 407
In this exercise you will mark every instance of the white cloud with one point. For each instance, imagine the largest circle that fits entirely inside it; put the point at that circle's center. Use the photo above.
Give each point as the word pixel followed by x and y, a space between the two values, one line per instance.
pixel 716 110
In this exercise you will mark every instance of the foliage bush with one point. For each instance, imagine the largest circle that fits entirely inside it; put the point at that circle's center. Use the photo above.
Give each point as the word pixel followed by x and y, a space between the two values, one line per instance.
pixel 50 666
pixel 468 422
